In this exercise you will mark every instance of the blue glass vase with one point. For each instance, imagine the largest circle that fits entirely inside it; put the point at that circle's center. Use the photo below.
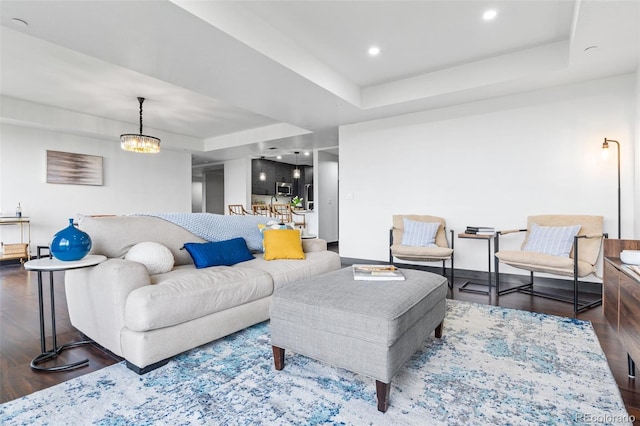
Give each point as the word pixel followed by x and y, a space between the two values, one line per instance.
pixel 70 243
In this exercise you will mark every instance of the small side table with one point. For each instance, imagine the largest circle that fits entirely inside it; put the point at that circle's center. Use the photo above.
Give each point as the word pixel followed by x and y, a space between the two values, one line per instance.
pixel 488 238
pixel 52 265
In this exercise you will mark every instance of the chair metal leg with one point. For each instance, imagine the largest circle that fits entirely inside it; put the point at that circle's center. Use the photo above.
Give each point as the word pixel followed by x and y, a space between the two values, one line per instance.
pixel 496 262
pixel 453 242
pixel 452 273
pixel 578 305
pixel 444 273
pixel 523 288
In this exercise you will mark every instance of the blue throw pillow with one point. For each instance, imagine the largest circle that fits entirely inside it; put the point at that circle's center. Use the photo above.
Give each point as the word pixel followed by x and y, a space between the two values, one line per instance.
pixel 219 253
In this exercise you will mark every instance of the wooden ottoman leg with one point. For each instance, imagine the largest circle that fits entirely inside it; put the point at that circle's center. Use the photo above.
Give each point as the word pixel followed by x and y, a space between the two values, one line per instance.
pixel 439 330
pixel 278 357
pixel 382 391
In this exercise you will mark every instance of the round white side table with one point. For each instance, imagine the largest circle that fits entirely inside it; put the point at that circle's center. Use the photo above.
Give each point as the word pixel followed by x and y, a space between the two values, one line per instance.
pixel 52 265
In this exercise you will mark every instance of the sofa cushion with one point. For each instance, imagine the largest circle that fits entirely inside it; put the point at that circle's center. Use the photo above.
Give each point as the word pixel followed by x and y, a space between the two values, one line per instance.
pixel 286 272
pixel 113 236
pixel 157 258
pixel 187 293
pixel 219 253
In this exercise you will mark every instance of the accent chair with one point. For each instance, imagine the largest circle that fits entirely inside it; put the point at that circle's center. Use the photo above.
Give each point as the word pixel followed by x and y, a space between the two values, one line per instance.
pixel 565 245
pixel 421 238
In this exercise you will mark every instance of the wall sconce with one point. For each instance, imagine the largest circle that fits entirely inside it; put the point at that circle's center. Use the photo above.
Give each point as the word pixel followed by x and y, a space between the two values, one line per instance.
pixel 263 176
pixel 605 155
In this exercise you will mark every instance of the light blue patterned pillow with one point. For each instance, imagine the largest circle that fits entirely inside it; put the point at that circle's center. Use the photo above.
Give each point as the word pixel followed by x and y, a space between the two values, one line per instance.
pixel 553 240
pixel 419 234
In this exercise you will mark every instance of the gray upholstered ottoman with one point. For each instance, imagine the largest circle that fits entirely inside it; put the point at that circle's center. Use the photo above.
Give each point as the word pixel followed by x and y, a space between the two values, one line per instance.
pixel 369 327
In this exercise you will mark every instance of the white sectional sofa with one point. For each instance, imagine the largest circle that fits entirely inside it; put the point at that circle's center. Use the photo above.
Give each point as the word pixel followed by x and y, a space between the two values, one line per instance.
pixel 147 319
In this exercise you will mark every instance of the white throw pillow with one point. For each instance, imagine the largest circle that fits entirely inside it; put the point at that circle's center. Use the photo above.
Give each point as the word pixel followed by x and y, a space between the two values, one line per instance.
pixel 552 240
pixel 154 256
pixel 419 234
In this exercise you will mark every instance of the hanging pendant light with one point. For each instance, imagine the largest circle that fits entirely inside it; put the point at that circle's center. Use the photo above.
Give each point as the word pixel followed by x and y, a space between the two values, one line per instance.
pixel 139 142
pixel 296 171
pixel 263 175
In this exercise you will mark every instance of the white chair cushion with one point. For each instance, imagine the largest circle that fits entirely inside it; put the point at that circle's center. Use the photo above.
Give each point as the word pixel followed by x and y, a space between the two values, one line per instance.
pixel 420 253
pixel 539 262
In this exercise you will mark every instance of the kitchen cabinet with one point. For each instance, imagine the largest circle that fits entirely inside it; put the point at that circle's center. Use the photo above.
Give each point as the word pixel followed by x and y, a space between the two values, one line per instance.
pixel 274 171
pixel 277 172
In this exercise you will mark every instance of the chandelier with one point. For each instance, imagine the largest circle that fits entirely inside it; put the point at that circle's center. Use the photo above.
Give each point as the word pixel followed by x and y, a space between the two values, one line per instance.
pixel 139 142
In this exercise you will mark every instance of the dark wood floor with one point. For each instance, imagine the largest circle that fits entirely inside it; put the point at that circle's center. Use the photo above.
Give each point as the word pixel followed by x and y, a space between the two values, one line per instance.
pixel 20 335
pixel 20 341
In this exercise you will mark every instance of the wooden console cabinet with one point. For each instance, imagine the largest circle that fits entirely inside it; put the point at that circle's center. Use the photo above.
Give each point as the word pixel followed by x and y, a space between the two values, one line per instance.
pixel 621 298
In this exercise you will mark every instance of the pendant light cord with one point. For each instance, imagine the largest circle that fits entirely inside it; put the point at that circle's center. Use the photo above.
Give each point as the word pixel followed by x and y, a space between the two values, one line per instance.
pixel 141 100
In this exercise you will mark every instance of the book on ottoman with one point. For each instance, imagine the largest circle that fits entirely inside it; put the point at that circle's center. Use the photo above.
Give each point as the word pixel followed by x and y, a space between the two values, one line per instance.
pixel 377 273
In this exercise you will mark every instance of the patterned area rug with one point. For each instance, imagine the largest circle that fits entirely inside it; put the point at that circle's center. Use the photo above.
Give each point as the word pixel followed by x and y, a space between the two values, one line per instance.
pixel 492 366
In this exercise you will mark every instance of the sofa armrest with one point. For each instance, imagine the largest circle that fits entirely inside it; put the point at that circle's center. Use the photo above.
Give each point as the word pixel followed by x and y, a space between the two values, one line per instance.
pixel 314 244
pixel 96 298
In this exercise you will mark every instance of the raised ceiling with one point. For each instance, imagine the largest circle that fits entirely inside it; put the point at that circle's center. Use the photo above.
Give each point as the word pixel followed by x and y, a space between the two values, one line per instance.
pixel 232 79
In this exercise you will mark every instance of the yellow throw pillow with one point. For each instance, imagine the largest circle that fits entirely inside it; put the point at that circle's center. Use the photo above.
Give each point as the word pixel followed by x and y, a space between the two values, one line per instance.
pixel 272 224
pixel 282 244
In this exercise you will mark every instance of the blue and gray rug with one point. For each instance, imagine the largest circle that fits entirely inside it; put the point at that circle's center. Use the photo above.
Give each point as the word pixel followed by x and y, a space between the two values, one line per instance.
pixel 493 366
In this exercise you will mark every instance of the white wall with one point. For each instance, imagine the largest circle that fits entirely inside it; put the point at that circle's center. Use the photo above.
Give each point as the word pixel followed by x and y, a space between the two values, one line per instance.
pixel 133 183
pixel 237 182
pixel 489 163
pixel 326 199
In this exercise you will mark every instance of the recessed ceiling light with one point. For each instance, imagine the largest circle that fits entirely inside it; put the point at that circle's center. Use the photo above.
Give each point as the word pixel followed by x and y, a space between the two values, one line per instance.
pixel 374 51
pixel 489 15
pixel 20 22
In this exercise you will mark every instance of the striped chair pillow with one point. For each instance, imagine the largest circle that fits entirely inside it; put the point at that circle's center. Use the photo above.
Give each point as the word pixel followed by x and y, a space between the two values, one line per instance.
pixel 419 234
pixel 552 240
